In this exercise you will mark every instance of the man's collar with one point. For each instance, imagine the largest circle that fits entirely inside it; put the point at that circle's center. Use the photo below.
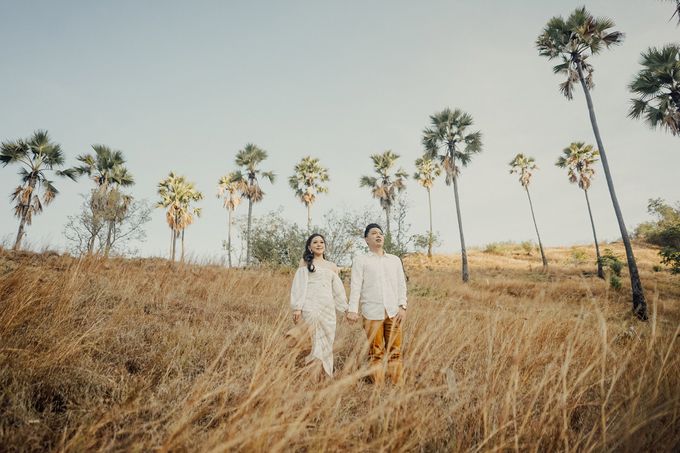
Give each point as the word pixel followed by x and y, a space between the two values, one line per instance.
pixel 372 253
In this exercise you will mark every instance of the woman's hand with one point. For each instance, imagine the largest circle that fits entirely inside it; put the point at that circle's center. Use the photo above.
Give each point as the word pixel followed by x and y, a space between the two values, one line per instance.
pixel 297 314
pixel 352 317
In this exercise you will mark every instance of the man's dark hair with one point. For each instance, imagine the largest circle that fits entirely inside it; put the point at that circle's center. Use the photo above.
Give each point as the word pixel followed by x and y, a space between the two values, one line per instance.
pixel 370 226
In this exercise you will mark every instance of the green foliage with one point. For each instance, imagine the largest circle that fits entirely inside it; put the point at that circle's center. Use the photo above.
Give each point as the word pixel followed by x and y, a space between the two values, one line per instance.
pixel 276 241
pixel 578 256
pixel 422 241
pixel 671 257
pixel 657 90
pixel 399 240
pixel 664 231
pixel 612 266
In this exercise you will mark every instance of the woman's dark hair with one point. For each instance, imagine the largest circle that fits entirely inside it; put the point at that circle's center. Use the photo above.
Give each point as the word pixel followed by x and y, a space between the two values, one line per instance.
pixel 308 255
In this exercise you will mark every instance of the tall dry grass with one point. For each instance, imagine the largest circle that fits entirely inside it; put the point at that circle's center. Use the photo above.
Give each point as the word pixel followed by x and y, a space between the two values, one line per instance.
pixel 142 355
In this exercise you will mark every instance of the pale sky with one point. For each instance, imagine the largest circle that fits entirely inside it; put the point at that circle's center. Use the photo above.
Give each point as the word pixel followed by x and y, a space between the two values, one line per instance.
pixel 184 85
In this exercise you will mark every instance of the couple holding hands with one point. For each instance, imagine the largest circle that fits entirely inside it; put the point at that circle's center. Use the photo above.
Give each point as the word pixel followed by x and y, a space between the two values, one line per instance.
pixel 378 287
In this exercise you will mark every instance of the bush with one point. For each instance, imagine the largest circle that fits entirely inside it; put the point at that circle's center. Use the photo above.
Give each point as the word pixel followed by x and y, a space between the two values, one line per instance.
pixel 671 257
pixel 612 266
pixel 664 231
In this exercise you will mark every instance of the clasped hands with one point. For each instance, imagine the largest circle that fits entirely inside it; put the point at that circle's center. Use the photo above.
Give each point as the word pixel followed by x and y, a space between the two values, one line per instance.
pixel 353 317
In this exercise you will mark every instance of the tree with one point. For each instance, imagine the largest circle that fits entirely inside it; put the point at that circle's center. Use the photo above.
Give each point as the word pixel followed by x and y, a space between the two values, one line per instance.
pixel 307 182
pixel 676 11
pixel 36 155
pixel 249 158
pixel 449 140
pixel 575 40
pixel 386 186
pixel 427 170
pixel 579 159
pixel 176 195
pixel 106 168
pixel 657 87
pixel 524 166
pixel 83 227
pixel 230 187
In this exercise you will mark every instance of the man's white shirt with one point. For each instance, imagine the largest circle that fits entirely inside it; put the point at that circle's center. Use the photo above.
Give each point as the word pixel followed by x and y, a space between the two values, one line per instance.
pixel 379 284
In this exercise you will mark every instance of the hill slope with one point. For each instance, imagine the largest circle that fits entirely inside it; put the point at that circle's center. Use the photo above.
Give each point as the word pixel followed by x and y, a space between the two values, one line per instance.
pixel 141 354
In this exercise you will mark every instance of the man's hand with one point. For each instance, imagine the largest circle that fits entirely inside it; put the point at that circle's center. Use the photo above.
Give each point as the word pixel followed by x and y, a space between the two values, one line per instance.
pixel 297 314
pixel 352 317
pixel 400 316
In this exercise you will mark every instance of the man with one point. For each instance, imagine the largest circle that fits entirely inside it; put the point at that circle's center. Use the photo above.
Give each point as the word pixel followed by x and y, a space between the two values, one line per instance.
pixel 379 285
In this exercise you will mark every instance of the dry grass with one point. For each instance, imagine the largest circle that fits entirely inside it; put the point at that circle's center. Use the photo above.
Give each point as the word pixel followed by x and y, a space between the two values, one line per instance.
pixel 140 355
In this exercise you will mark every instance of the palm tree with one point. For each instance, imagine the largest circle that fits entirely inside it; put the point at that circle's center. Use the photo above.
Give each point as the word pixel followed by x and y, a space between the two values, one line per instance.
pixel 106 167
pixel 657 87
pixel 230 188
pixel 427 170
pixel 579 159
pixel 249 158
pixel 176 195
pixel 37 155
pixel 387 185
pixel 676 12
pixel 449 140
pixel 307 183
pixel 524 166
pixel 575 40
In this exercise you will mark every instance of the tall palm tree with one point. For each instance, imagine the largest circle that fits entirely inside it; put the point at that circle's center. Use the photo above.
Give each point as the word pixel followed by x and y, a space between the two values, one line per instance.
pixel 579 159
pixel 307 182
pixel 449 140
pixel 524 166
pixel 676 11
pixel 230 187
pixel 176 195
pixel 427 170
pixel 106 167
pixel 657 87
pixel 36 155
pixel 386 185
pixel 575 40
pixel 249 158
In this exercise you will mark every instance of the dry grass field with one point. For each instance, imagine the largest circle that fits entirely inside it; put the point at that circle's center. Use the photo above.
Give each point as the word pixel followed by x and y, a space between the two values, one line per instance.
pixel 141 355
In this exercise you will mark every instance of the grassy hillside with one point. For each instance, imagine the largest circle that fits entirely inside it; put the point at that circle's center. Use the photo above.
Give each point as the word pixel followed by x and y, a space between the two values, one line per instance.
pixel 144 355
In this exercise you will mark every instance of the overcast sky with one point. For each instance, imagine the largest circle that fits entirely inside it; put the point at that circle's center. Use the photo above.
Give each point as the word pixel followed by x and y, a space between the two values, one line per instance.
pixel 184 85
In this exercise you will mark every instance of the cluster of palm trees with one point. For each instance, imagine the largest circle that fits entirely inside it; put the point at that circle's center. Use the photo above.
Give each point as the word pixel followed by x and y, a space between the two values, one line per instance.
pixel 574 41
pixel 448 142
pixel 579 159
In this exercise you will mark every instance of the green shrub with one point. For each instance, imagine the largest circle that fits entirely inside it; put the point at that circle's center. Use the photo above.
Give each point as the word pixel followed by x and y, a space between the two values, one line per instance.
pixel 612 266
pixel 578 256
pixel 671 257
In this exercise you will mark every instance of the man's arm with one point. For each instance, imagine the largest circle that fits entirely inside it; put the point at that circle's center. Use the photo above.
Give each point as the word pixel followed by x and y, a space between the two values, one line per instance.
pixel 401 283
pixel 357 281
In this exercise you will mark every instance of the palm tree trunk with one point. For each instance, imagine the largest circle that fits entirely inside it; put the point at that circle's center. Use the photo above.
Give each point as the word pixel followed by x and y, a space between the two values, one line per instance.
pixel 182 258
pixel 24 214
pixel 540 244
pixel 107 247
pixel 229 237
pixel 639 303
pixel 387 222
pixel 250 218
pixel 173 242
pixel 309 218
pixel 600 271
pixel 463 251
pixel 429 239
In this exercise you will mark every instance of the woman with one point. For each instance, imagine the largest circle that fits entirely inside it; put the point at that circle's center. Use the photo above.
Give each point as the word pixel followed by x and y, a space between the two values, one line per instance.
pixel 316 293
